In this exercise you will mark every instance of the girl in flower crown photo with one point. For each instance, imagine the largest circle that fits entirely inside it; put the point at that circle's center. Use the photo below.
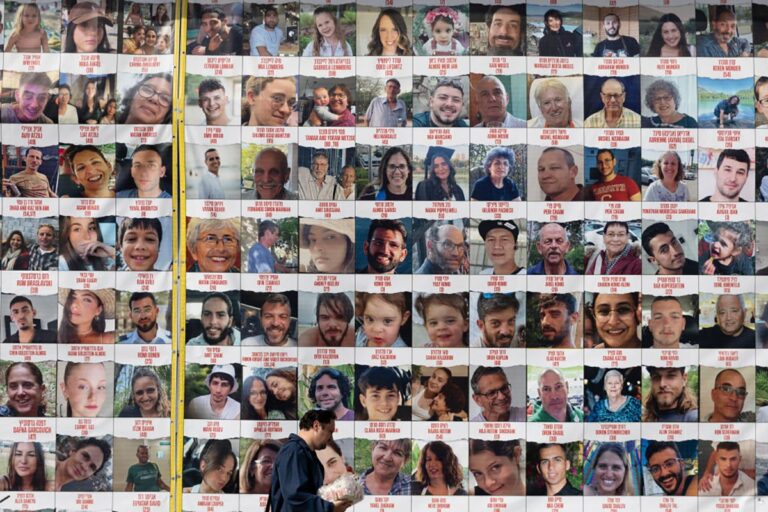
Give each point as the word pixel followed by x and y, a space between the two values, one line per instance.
pixel 441 24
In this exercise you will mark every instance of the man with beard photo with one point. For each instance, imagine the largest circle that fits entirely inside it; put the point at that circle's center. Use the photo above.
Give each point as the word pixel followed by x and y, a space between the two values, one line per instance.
pixel 144 311
pixel 496 315
pixel 446 102
pixel 217 404
pixel 667 467
pixel 217 318
pixel 557 316
pixel 446 251
pixel 615 44
pixel 329 390
pixel 275 316
pixel 333 313
pixel 386 247
pixel 506 30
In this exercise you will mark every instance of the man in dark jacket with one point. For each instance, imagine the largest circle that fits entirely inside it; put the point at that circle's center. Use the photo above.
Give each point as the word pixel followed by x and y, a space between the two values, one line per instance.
pixel 298 473
pixel 558 42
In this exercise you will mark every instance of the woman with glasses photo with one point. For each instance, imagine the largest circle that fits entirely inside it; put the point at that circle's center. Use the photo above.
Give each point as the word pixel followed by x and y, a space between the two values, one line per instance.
pixel 256 467
pixel 617 317
pixel 395 178
pixel 148 102
pixel 663 99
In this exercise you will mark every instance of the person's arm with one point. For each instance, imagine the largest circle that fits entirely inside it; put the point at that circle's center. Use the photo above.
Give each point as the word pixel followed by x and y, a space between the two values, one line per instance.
pixel 11 43
pixel 44 38
pixel 705 483
pixel 294 476
pixel 129 487
pixel 160 482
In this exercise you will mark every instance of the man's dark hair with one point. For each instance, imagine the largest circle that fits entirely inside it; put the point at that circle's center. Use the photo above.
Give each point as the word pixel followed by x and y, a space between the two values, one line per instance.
pixel 600 152
pixel 729 446
pixel 484 371
pixel 20 298
pixel 276 298
pixel 734 154
pixel 223 376
pixel 763 80
pixel 222 296
pixel 267 225
pixel 208 85
pixel 552 13
pixel 148 147
pixel 270 8
pixel 395 81
pixel 136 296
pixel 388 224
pixel 651 232
pixel 336 375
pixel 518 8
pixel 211 150
pixel 220 14
pixel 549 299
pixel 655 447
pixel 313 415
pixel 33 148
pixel 494 302
pixel 665 298
pixel 544 446
pixel 338 303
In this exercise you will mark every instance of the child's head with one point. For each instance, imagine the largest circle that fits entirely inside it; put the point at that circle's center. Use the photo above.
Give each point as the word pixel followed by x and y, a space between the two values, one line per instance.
pixel 446 318
pixel 320 96
pixel 730 241
pixel 383 316
pixel 139 241
pixel 442 21
pixel 27 17
pixel 379 393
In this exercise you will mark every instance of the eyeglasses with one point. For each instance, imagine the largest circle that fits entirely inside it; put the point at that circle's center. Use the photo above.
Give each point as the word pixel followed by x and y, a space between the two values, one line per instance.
pixel 397 168
pixel 492 394
pixel 279 99
pixel 728 389
pixel 605 311
pixel 449 246
pixel 662 99
pixel 148 391
pixel 623 234
pixel 380 244
pixel 213 240
pixel 612 96
pixel 263 462
pixel 668 464
pixel 763 102
pixel 149 92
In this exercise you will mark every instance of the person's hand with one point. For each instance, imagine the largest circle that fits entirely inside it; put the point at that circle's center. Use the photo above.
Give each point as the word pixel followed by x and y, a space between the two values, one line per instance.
pixel 709 267
pixel 341 505
pixel 95 249
pixel 705 482
pixel 214 42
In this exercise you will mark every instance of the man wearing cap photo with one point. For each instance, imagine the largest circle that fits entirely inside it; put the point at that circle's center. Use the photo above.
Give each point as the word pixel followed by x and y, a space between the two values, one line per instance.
pixel 496 185
pixel 217 317
pixel 446 102
pixel 500 238
pixel 217 405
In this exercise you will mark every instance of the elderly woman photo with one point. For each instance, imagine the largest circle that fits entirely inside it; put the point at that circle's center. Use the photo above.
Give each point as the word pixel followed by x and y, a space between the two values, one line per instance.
pixel 616 407
pixel 438 472
pixel 395 177
pixel 669 186
pixel 389 35
pixel 495 466
pixel 496 185
pixel 663 99
pixel 440 184
pixel 668 39
pixel 213 244
pixel 269 101
pixel 327 36
pixel 620 255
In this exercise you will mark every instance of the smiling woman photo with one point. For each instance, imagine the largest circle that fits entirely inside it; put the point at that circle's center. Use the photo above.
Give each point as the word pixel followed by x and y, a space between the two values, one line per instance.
pixel 148 101
pixel 91 172
pixel 83 463
pixel 611 472
pixel 25 389
pixel 148 398
pixel 26 469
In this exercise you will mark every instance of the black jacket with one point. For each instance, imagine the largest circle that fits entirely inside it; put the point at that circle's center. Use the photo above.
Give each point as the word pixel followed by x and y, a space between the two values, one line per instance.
pixel 560 44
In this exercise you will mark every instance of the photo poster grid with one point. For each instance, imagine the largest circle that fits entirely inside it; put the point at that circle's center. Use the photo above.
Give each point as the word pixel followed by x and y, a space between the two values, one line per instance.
pixel 579 92
pixel 90 270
